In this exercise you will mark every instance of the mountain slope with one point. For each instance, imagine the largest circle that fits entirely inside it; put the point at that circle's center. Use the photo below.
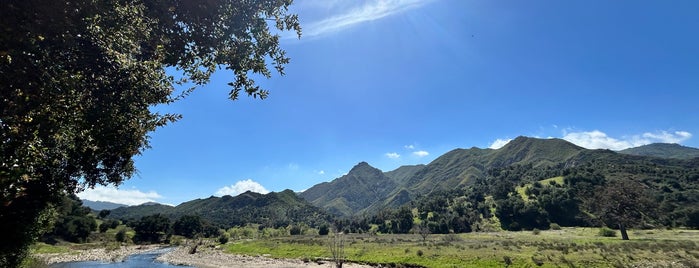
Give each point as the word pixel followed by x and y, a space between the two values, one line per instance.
pixel 663 150
pixel 273 209
pixel 363 186
pixel 369 191
pixel 101 205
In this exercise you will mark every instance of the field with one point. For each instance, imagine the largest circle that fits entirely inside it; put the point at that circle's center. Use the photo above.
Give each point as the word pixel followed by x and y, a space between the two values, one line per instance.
pixel 568 247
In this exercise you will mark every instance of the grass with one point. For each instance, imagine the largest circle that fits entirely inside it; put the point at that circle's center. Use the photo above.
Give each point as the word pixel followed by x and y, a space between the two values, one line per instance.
pixel 569 247
pixel 521 190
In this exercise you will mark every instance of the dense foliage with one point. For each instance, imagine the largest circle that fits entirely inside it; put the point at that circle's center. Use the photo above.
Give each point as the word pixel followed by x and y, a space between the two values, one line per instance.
pixel 73 222
pixel 78 80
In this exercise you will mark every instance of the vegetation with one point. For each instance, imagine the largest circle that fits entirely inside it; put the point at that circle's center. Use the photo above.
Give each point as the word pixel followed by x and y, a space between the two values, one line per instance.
pixel 271 210
pixel 569 247
pixel 79 79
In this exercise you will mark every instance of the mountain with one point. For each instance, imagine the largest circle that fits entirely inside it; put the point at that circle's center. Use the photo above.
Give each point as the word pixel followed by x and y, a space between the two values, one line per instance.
pixel 136 212
pixel 101 205
pixel 366 189
pixel 363 186
pixel 663 150
pixel 273 209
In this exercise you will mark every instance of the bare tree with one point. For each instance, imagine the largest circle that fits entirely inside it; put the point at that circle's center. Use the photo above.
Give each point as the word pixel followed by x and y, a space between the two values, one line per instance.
pixel 422 229
pixel 337 248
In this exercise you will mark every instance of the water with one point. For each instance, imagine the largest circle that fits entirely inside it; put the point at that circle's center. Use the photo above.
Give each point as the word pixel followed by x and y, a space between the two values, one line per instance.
pixel 137 260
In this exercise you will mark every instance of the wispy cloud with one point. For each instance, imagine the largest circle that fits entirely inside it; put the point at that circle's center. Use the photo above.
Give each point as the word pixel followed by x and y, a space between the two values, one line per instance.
pixel 421 153
pixel 599 140
pixel 409 147
pixel 369 11
pixel 393 155
pixel 240 187
pixel 115 195
pixel 499 143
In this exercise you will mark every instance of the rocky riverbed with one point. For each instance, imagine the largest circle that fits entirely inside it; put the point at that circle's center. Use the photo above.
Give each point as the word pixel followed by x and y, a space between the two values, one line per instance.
pixel 97 254
pixel 216 258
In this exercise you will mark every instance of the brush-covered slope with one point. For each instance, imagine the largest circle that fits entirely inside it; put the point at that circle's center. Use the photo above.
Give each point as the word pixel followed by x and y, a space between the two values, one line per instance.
pixel 460 167
pixel 663 150
pixel 363 186
pixel 273 209
pixel 366 189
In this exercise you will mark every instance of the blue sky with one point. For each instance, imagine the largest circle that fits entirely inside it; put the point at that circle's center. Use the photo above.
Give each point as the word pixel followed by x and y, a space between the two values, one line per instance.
pixel 397 82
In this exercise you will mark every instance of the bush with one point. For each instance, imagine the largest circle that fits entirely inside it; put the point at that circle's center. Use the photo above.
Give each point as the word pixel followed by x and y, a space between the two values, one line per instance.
pixel 295 230
pixel 606 232
pixel 223 238
pixel 103 227
pixel 419 253
pixel 120 235
pixel 536 231
pixel 554 226
pixel 323 230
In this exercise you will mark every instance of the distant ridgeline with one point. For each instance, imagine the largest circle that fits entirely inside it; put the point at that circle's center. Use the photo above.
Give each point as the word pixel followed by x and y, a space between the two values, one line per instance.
pixel 529 183
pixel 273 210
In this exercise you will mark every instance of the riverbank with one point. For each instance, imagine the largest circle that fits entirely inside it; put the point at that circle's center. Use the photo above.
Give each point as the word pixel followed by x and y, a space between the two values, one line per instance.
pixel 216 258
pixel 96 254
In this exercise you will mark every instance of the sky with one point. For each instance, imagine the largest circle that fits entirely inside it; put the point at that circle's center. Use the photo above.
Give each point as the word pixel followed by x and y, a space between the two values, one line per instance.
pixel 401 82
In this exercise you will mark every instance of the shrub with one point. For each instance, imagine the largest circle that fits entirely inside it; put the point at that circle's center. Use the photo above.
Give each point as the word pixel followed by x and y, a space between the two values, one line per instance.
pixel 223 238
pixel 120 235
pixel 323 230
pixel 419 253
pixel 295 230
pixel 103 227
pixel 536 231
pixel 606 232
pixel 554 226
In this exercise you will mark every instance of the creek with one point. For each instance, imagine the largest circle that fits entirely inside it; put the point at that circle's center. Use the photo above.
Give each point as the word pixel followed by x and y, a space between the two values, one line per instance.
pixel 145 260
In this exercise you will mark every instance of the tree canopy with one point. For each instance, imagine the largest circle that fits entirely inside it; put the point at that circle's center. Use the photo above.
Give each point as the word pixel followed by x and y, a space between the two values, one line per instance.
pixel 79 80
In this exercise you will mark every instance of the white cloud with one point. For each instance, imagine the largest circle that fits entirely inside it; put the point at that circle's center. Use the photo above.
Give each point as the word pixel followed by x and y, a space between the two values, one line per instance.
pixel 322 172
pixel 499 143
pixel 115 195
pixel 409 147
pixel 421 153
pixel 293 166
pixel 599 140
pixel 369 11
pixel 393 155
pixel 241 187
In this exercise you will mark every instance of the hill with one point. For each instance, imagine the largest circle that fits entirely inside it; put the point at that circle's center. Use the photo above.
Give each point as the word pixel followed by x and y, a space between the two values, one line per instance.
pixel 663 150
pixel 365 190
pixel 273 209
pixel 363 186
pixel 101 205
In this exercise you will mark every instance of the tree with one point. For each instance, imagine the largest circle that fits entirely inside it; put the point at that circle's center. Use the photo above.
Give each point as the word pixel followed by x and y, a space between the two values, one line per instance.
pixel 423 230
pixel 336 245
pixel 78 80
pixel 622 203
pixel 151 228
pixel 188 226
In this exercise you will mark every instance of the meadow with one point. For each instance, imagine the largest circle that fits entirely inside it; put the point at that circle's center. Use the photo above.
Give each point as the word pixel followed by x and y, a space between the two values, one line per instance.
pixel 567 247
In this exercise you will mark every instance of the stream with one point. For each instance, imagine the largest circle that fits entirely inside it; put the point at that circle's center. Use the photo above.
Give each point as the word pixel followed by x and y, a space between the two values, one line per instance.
pixel 146 259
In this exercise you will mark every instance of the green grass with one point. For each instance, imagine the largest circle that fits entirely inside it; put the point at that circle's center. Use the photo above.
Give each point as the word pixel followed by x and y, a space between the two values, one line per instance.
pixel 43 248
pixel 521 190
pixel 579 247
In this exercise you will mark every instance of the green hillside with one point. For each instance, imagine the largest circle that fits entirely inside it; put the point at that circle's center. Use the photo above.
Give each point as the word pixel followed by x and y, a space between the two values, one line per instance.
pixel 273 209
pixel 363 186
pixel 663 150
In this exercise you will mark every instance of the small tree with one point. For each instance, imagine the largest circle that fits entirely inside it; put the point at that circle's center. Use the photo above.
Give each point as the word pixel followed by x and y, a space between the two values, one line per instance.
pixel 337 248
pixel 423 230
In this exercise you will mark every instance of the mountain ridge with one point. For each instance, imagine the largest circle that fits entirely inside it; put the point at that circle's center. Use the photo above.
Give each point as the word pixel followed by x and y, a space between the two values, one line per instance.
pixel 663 150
